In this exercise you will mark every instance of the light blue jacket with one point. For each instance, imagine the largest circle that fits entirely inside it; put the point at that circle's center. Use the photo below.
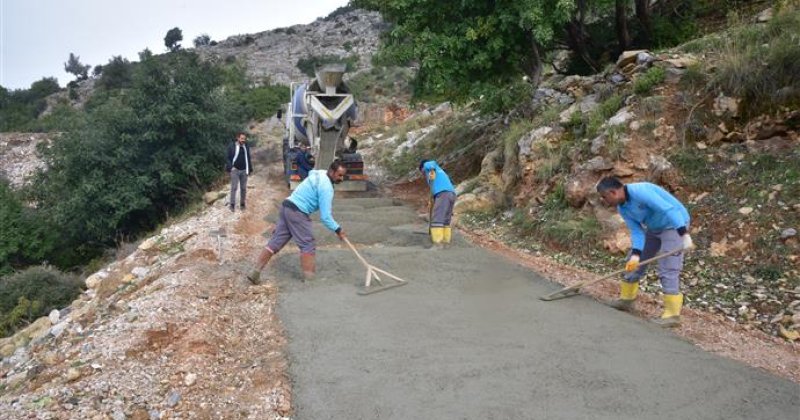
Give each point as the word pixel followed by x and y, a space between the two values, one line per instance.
pixel 316 193
pixel 650 207
pixel 441 181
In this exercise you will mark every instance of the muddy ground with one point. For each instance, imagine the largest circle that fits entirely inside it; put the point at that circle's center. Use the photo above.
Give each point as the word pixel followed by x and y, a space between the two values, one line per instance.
pixel 469 338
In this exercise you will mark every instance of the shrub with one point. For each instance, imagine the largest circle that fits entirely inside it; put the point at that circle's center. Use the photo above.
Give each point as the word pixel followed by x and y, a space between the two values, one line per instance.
pixel 32 293
pixel 761 63
pixel 647 81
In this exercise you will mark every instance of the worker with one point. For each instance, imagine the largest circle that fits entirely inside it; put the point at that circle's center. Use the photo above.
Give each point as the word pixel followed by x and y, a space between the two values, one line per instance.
pixel 657 222
pixel 305 161
pixel 294 222
pixel 443 197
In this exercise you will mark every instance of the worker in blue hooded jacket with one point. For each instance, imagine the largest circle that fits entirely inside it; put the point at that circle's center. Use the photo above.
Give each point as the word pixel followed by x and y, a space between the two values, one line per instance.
pixel 658 222
pixel 444 199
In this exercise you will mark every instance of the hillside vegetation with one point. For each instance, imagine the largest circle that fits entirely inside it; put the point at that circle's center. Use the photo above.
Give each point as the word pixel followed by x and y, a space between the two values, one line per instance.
pixel 714 120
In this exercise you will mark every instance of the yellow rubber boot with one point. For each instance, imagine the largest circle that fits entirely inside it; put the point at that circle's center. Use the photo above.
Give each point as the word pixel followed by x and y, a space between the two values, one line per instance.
pixel 448 235
pixel 437 236
pixel 627 295
pixel 672 311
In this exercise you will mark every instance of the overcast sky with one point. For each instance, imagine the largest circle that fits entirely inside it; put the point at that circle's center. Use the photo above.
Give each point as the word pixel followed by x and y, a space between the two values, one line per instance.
pixel 36 36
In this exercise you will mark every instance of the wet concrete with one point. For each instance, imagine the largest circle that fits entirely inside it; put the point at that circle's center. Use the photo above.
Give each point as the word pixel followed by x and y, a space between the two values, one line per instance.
pixel 468 338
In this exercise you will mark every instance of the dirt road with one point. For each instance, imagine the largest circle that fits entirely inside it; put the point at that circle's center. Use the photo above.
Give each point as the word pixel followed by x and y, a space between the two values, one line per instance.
pixel 469 339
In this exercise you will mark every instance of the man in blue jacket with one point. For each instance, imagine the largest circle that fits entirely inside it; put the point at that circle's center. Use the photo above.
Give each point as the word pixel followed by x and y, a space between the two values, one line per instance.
pixel 314 193
pixel 658 222
pixel 239 165
pixel 444 199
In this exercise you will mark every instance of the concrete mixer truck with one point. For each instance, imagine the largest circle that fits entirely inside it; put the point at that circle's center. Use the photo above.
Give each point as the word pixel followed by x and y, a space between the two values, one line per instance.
pixel 319 117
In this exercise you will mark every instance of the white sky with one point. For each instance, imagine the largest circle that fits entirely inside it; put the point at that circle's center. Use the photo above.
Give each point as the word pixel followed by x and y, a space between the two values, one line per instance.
pixel 36 36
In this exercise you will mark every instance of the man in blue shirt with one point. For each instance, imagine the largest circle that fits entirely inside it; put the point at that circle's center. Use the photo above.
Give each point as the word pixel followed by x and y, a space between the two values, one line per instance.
pixel 444 199
pixel 314 193
pixel 658 222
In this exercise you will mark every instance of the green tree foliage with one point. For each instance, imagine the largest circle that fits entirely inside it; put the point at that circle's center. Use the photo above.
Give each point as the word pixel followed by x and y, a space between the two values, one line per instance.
pixel 469 47
pixel 19 108
pixel 74 66
pixel 202 40
pixel 173 38
pixel 139 155
pixel 117 74
pixel 33 293
pixel 25 238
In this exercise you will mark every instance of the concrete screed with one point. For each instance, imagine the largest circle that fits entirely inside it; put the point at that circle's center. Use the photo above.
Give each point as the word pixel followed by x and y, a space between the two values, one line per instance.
pixel 468 338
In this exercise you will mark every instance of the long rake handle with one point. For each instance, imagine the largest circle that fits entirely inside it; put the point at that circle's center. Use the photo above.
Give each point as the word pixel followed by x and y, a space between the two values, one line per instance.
pixel 618 272
pixel 360 258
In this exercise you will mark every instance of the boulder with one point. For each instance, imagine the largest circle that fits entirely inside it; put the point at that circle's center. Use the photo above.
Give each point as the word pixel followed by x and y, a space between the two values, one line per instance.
pixel 630 57
pixel 726 106
pixel 528 140
pixel 578 187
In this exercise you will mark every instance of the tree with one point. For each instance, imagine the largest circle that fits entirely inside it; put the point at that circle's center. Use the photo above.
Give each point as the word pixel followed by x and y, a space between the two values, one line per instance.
pixel 470 47
pixel 98 70
pixel 202 40
pixel 74 66
pixel 171 41
pixel 117 73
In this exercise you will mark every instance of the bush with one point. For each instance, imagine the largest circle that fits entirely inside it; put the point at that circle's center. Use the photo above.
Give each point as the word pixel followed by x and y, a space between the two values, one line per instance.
pixel 25 238
pixel 166 138
pixel 646 82
pixel 33 293
pixel 20 108
pixel 761 63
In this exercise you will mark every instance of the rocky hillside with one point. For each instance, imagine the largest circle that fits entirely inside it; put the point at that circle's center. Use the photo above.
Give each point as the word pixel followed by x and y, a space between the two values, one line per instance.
pixel 273 55
pixel 665 117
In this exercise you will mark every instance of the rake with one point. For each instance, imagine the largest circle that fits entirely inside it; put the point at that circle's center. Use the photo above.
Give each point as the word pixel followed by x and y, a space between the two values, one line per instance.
pixel 372 273
pixel 574 289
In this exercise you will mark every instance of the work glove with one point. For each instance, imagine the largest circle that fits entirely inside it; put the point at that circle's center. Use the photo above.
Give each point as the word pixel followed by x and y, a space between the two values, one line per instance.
pixel 688 244
pixel 632 264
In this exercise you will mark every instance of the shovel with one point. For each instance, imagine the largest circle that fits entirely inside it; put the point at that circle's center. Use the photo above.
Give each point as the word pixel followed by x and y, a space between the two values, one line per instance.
pixel 573 290
pixel 372 273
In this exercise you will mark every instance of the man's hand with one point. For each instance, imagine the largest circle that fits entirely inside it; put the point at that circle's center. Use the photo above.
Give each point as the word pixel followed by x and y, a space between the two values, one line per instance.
pixel 688 244
pixel 632 264
pixel 341 235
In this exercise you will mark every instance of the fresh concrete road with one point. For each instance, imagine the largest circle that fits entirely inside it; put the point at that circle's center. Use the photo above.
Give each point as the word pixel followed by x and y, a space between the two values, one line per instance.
pixel 468 338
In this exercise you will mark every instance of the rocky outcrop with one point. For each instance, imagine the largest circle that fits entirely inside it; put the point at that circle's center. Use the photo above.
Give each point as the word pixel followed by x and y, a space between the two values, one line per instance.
pixel 272 55
pixel 19 159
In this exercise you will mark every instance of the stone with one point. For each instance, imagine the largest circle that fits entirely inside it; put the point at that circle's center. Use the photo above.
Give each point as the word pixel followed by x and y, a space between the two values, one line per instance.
pixel 621 117
pixel 597 164
pixel 745 210
pixel 617 79
pixel 788 233
pixel 579 187
pixel 93 281
pixel 150 243
pixel 173 399
pixel 54 316
pixel 629 57
pixel 726 106
pixel 190 379
pixel 765 15
pixel 442 108
pixel 527 141
pixel 211 197
pixel 140 272
pixel 681 62
pixel 73 374
pixel 598 143
pixel 644 58
pixel 58 329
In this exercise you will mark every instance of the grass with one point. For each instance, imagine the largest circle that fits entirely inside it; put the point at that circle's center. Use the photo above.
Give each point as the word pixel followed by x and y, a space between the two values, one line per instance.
pixel 758 63
pixel 647 81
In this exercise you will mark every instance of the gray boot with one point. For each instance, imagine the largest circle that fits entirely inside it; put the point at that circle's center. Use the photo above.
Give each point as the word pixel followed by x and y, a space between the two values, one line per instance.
pixel 622 304
pixel 671 322
pixel 254 277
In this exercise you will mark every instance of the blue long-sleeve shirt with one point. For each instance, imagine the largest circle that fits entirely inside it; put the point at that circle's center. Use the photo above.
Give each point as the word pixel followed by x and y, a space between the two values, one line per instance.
pixel 316 193
pixel 648 206
pixel 439 181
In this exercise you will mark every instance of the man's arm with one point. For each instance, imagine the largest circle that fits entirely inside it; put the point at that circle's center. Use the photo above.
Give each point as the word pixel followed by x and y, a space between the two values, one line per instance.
pixel 637 234
pixel 326 209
